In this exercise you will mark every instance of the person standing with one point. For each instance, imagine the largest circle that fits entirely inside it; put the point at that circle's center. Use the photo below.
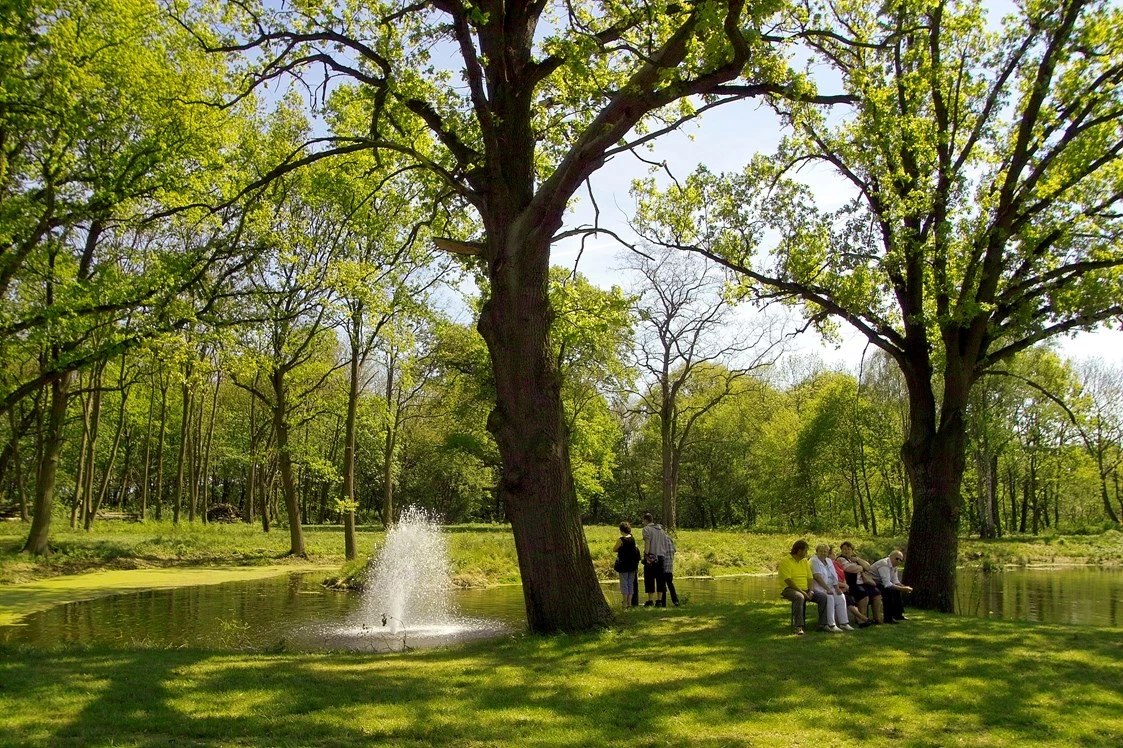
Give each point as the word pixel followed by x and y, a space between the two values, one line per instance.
pixel 627 563
pixel 669 570
pixel 888 579
pixel 795 573
pixel 654 552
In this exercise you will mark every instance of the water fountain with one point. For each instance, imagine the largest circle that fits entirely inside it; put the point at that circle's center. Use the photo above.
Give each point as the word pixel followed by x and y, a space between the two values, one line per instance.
pixel 407 601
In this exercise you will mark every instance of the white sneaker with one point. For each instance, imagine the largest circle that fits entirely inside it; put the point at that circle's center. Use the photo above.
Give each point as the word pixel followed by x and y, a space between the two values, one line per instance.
pixel 846 627
pixel 834 629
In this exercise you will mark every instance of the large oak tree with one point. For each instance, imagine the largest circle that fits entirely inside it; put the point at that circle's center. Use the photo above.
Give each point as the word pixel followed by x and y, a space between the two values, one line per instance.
pixel 524 100
pixel 987 180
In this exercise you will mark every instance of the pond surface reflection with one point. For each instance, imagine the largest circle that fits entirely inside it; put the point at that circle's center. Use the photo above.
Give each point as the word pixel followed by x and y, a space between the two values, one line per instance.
pixel 294 612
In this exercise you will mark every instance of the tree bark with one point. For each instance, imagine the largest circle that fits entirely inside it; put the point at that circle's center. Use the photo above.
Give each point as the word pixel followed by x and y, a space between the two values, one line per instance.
pixel 392 412
pixel 934 457
pixel 206 494
pixel 349 544
pixel 103 490
pixel 48 469
pixel 143 509
pixel 159 487
pixel 184 436
pixel 667 458
pixel 284 461
pixel 560 588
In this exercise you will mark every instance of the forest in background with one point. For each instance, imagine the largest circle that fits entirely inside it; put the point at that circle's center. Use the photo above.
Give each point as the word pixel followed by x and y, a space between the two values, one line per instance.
pixel 229 237
pixel 295 352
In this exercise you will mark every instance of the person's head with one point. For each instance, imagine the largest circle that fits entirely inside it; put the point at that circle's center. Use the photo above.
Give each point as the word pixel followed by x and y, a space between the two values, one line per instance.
pixel 799 549
pixel 647 518
pixel 846 549
pixel 625 528
pixel 897 558
pixel 822 550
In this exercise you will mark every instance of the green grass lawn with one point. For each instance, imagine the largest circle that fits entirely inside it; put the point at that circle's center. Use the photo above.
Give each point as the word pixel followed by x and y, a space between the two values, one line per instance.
pixel 697 675
pixel 481 554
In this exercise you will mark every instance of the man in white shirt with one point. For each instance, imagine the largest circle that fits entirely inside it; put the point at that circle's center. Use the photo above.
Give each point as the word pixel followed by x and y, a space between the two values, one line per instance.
pixel 889 582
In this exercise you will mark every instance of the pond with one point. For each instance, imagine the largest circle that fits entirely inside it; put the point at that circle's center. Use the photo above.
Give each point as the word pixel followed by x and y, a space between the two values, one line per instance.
pixel 297 613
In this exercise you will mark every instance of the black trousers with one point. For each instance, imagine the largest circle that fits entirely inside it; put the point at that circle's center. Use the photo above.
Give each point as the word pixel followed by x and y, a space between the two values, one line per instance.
pixel 669 578
pixel 653 579
pixel 894 603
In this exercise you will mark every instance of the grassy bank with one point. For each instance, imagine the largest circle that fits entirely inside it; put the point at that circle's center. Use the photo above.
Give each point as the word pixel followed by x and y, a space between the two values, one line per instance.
pixel 145 545
pixel 703 675
pixel 481 554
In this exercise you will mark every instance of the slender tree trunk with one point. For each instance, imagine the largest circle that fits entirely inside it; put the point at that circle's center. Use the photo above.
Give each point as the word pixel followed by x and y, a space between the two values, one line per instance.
pixel 103 489
pixel 987 485
pixel 143 510
pixel 159 487
pixel 195 457
pixel 83 445
pixel 560 587
pixel 349 540
pixel 264 488
pixel 184 438
pixel 251 479
pixel 126 472
pixel 392 410
pixel 21 484
pixel 48 469
pixel 207 448
pixel 284 461
pixel 667 459
pixel 90 470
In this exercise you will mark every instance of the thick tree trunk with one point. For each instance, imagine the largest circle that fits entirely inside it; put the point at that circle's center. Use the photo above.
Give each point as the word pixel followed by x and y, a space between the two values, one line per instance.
pixel 560 587
pixel 48 469
pixel 936 470
pixel 934 455
pixel 284 461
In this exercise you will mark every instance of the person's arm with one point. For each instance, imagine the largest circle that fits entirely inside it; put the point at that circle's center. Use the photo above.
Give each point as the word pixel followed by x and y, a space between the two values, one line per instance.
pixel 619 543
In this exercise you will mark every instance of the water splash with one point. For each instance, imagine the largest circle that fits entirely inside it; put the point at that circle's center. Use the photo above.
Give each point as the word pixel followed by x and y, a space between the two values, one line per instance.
pixel 407 602
pixel 408 585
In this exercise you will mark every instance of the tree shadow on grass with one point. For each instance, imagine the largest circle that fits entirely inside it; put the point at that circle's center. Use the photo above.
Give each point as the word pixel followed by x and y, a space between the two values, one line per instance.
pixel 712 674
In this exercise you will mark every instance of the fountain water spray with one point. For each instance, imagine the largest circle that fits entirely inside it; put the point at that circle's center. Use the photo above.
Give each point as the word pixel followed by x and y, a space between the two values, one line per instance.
pixel 407 602
pixel 408 586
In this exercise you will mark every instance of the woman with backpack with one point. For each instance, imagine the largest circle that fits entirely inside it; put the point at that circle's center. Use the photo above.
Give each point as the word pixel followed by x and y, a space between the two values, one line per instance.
pixel 627 563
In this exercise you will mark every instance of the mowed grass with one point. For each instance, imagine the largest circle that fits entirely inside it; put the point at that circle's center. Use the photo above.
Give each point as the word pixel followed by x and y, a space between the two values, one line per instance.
pixel 699 675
